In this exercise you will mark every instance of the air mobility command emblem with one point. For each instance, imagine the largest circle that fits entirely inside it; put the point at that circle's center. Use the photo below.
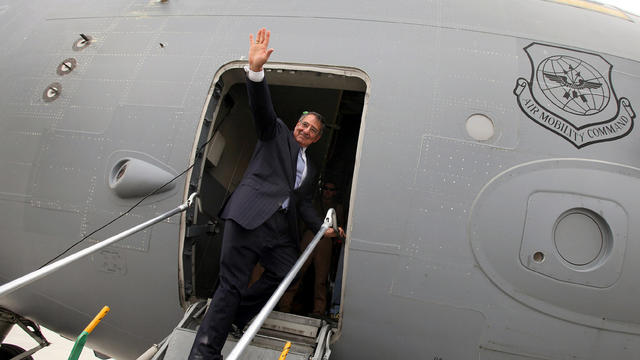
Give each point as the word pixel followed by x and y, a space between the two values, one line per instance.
pixel 570 93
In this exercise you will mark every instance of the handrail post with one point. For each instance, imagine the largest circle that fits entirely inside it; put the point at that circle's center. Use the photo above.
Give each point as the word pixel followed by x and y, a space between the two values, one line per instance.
pixel 55 266
pixel 329 222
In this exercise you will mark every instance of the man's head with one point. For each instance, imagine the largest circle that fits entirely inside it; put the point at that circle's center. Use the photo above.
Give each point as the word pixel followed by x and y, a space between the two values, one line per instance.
pixel 309 128
pixel 329 190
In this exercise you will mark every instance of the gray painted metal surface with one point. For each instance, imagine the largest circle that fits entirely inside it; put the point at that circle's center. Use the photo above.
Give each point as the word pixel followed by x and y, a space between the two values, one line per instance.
pixel 444 229
pixel 27 279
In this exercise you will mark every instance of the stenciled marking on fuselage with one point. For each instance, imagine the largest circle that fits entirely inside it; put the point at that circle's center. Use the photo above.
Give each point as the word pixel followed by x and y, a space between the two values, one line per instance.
pixel 569 95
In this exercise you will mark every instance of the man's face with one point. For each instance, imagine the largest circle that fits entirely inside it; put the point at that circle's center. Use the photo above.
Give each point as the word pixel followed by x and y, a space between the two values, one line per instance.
pixel 307 130
pixel 329 191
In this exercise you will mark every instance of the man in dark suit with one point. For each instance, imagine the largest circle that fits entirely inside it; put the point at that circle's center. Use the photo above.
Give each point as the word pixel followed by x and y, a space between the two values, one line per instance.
pixel 261 214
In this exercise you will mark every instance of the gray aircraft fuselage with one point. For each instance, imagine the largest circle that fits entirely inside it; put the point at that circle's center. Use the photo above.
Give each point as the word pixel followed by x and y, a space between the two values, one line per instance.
pixel 510 234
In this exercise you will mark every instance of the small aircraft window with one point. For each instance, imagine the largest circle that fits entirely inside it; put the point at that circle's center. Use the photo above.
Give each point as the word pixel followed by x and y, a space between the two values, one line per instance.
pixel 480 127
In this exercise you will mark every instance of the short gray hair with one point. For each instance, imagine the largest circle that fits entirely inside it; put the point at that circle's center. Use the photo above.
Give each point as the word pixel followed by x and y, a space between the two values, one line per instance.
pixel 317 115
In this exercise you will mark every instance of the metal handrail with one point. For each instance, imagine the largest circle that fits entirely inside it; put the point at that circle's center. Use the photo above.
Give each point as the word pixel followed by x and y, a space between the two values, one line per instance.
pixel 323 341
pixel 44 271
pixel 329 222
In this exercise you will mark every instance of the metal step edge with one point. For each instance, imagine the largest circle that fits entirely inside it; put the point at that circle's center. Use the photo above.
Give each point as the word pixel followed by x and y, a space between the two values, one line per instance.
pixel 293 318
pixel 287 336
pixel 293 324
pixel 275 344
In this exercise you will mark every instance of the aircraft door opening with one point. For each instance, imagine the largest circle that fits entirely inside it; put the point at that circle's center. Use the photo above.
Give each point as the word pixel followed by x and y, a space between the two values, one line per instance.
pixel 227 131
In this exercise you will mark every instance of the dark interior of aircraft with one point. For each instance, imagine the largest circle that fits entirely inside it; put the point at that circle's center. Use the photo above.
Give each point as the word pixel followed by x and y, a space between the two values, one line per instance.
pixel 339 97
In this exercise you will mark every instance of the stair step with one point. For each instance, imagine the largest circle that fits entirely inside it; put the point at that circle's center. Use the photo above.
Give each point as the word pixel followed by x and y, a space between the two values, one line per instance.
pixel 293 324
pixel 261 348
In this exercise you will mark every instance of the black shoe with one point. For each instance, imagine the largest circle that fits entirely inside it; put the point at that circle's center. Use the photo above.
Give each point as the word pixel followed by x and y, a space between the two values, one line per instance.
pixel 236 332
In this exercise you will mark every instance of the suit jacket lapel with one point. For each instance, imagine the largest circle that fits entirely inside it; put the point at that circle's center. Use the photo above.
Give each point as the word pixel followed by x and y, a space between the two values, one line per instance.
pixel 294 148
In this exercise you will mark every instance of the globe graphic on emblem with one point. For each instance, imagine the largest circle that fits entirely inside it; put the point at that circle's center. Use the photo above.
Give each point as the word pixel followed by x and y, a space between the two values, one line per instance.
pixel 573 85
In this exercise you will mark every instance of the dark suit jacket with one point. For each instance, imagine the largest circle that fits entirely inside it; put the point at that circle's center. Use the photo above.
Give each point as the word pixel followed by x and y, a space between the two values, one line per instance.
pixel 270 176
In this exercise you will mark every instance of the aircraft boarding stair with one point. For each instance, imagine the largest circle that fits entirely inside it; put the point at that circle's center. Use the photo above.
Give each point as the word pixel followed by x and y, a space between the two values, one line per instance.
pixel 266 336
pixel 309 338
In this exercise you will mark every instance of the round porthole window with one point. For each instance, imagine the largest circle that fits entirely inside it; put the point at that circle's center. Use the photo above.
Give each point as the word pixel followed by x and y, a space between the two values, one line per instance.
pixel 581 237
pixel 480 127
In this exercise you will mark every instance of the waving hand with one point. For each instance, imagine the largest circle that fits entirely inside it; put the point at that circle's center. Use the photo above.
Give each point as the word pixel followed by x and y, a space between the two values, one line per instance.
pixel 259 51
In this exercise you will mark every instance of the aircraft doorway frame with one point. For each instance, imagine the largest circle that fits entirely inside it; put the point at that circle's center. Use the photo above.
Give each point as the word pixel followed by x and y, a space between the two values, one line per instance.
pixel 315 76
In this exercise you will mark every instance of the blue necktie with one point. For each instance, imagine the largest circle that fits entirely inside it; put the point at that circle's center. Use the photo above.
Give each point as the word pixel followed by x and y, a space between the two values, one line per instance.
pixel 300 167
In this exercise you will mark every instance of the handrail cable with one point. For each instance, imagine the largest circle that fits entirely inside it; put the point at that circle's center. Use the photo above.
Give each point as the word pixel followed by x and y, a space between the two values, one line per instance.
pixel 46 270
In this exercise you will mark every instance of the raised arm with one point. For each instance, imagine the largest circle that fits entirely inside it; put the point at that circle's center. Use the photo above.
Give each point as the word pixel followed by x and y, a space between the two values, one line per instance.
pixel 259 97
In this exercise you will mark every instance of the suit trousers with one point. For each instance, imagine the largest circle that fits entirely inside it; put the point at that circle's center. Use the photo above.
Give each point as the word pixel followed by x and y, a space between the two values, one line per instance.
pixel 233 301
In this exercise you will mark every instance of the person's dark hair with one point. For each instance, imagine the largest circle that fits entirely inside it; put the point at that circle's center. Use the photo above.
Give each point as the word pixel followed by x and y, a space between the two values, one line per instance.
pixel 334 187
pixel 317 115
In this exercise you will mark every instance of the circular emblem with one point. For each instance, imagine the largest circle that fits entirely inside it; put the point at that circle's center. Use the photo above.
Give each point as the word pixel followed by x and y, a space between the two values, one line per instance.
pixel 573 85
